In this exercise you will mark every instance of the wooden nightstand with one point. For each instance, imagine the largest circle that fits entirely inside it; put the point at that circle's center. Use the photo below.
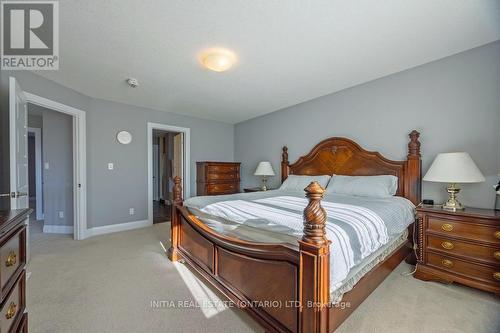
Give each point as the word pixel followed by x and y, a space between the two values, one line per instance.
pixel 462 246
pixel 255 189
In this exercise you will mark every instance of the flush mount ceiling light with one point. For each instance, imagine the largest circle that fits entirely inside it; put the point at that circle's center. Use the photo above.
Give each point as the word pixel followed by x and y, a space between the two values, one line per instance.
pixel 132 82
pixel 218 59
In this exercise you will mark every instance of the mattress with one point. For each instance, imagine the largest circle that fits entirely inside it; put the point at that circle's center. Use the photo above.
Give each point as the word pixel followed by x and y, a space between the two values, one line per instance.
pixel 363 230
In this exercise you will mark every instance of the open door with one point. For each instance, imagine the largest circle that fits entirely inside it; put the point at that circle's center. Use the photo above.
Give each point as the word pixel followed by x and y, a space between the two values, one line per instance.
pixel 18 129
pixel 178 158
pixel 18 132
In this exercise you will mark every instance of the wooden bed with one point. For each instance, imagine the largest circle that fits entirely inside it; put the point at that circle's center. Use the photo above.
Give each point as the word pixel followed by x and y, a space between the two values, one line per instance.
pixel 284 288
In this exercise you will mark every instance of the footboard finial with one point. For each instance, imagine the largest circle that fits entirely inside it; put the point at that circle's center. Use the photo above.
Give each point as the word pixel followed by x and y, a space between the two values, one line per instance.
pixel 314 216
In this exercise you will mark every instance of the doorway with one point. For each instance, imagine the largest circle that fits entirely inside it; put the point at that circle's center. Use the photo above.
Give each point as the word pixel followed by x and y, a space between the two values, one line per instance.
pixel 18 142
pixel 168 157
pixel 50 171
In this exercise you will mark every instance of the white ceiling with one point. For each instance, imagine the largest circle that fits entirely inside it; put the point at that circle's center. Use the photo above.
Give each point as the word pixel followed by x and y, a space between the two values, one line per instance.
pixel 290 51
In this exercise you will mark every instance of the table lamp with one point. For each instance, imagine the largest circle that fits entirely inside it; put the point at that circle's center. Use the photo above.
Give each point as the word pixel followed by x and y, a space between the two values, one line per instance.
pixel 453 168
pixel 264 169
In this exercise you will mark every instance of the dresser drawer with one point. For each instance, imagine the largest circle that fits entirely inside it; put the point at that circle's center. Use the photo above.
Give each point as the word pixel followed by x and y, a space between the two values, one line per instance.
pixel 488 274
pixel 12 259
pixel 476 251
pixel 456 228
pixel 221 168
pixel 13 306
pixel 223 188
pixel 223 176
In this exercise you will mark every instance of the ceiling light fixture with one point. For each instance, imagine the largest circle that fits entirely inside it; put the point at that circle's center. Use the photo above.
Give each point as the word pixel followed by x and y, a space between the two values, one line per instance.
pixel 218 59
pixel 133 82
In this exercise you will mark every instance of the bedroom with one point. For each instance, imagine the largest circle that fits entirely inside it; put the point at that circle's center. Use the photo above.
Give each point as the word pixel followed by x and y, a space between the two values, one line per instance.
pixel 369 73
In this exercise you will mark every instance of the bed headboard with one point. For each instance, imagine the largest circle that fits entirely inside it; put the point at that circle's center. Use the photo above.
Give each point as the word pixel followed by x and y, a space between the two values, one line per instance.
pixel 343 156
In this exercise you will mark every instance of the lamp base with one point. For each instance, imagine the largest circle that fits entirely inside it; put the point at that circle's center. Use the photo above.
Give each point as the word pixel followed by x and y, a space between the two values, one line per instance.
pixel 264 183
pixel 452 203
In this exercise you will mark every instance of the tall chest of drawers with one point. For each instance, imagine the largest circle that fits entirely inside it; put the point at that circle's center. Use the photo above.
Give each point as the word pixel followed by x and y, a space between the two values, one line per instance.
pixel 12 271
pixel 462 247
pixel 214 178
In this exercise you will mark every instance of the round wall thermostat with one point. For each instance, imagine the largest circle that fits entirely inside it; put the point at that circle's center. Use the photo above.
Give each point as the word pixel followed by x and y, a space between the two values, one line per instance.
pixel 124 137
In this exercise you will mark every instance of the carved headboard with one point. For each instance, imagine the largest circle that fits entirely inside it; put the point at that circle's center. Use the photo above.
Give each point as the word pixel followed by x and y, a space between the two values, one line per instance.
pixel 342 156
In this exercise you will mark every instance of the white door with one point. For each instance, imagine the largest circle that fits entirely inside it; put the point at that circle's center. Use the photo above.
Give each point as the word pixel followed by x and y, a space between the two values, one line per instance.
pixel 178 158
pixel 18 129
pixel 18 134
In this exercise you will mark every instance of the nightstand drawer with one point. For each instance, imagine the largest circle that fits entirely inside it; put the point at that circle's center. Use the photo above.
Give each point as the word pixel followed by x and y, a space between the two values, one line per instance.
pixel 456 228
pixel 457 266
pixel 465 249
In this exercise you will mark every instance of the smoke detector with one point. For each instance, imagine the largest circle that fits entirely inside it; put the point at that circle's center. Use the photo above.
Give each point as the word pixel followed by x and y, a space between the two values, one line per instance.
pixel 132 82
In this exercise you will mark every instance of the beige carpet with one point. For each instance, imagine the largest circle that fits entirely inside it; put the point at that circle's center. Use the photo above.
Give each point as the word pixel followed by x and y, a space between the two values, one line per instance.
pixel 107 284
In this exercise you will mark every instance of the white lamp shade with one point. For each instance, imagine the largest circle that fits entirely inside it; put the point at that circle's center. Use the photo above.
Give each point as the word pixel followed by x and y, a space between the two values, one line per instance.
pixel 454 168
pixel 264 169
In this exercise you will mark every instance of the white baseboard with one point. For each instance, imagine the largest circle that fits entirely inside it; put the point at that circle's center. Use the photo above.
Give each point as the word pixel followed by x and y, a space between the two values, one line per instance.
pixel 57 229
pixel 107 229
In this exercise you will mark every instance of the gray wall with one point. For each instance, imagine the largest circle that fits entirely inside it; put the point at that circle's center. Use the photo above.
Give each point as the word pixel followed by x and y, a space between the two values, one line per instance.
pixel 57 151
pixel 453 102
pixel 126 186
pixel 110 194
pixel 35 121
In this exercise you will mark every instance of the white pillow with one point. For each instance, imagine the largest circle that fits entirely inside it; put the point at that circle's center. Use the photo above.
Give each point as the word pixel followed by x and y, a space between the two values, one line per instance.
pixel 366 186
pixel 299 183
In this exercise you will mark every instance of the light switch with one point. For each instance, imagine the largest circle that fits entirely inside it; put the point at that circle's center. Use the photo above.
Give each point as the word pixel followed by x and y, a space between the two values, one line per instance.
pixel 110 166
pixel 46 165
pixel 131 211
pixel 61 214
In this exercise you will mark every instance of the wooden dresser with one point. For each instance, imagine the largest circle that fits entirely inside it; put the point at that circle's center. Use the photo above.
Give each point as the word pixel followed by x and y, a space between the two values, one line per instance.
pixel 12 271
pixel 462 246
pixel 214 178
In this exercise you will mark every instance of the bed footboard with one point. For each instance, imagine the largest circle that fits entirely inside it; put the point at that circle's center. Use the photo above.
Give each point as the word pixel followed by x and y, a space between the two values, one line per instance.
pixel 284 289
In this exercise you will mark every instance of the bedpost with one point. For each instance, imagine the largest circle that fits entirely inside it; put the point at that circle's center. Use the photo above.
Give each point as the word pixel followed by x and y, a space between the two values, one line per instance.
pixel 413 170
pixel 173 252
pixel 284 164
pixel 314 275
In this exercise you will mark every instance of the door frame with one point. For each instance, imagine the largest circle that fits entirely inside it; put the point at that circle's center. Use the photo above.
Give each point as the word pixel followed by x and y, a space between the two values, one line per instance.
pixel 38 171
pixel 186 161
pixel 79 160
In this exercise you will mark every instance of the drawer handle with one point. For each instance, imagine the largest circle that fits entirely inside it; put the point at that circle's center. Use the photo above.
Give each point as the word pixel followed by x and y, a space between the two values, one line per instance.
pixel 496 254
pixel 447 227
pixel 447 263
pixel 497 234
pixel 447 245
pixel 11 311
pixel 496 276
pixel 11 259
